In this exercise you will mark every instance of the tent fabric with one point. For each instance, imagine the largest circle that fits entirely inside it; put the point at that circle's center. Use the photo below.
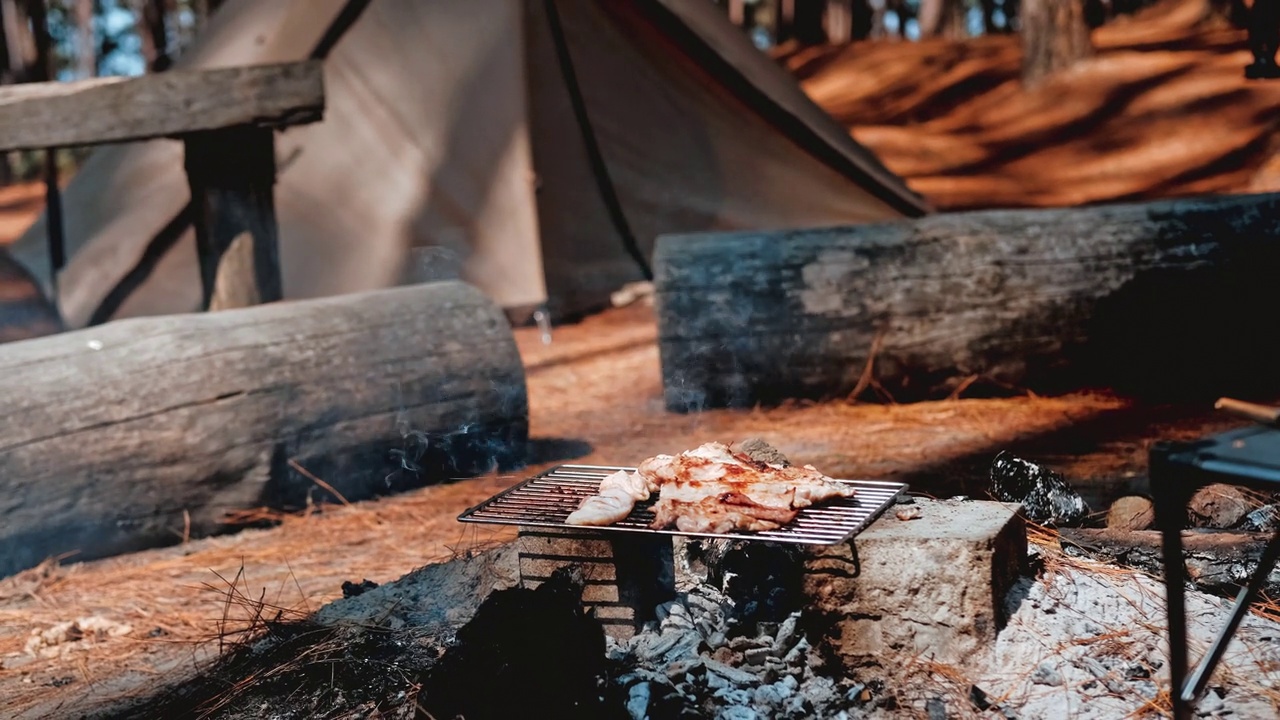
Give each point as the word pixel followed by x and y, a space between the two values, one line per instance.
pixel 450 148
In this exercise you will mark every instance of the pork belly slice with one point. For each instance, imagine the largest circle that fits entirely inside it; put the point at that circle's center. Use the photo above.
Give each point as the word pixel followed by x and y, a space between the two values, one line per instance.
pixel 616 498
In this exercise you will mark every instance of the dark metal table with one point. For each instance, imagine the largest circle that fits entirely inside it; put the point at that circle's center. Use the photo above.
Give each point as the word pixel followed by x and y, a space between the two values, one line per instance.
pixel 1249 457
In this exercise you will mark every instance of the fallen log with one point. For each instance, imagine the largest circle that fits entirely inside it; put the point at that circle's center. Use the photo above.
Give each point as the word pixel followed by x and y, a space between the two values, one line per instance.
pixel 140 432
pixel 1216 560
pixel 1160 299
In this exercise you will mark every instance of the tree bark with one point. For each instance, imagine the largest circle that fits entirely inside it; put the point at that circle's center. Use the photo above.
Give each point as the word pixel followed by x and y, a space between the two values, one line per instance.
pixel 944 18
pixel 86 45
pixel 1055 36
pixel 153 31
pixel 116 435
pixel 1219 561
pixel 1159 299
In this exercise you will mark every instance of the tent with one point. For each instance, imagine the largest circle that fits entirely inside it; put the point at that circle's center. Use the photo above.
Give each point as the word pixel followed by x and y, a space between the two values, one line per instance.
pixel 535 148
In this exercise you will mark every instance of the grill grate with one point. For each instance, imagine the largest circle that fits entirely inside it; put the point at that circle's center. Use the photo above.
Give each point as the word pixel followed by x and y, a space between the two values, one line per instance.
pixel 546 500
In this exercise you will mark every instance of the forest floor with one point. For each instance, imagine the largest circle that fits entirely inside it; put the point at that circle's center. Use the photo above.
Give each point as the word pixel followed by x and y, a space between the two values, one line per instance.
pixel 1161 110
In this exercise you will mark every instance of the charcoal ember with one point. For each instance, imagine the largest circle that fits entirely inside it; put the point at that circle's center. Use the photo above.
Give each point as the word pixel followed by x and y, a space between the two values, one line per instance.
pixel 1045 495
pixel 638 700
pixel 1264 519
pixel 763 581
pixel 775 696
pixel 732 674
pixel 786 634
pixel 738 702
pixel 651 647
pixel 524 648
pixel 727 655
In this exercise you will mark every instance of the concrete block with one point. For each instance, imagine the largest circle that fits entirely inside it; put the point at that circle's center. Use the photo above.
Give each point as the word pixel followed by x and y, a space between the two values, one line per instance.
pixel 931 588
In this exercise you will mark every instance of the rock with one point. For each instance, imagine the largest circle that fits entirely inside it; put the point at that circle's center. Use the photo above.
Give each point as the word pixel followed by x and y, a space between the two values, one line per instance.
pixel 923 591
pixel 1219 506
pixel 685 647
pixel 1132 512
pixel 1045 495
pixel 728 656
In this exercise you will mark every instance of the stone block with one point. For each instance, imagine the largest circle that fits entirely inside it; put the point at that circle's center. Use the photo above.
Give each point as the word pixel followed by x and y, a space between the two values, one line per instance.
pixel 931 588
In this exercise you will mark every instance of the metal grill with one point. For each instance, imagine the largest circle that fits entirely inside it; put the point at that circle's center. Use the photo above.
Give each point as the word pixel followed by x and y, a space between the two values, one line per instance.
pixel 546 500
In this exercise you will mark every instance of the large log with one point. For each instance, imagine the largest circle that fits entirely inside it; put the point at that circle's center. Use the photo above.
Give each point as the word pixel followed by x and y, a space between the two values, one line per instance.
pixel 1165 298
pixel 134 433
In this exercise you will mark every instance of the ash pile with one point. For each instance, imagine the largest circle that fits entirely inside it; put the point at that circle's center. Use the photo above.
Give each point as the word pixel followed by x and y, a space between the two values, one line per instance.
pixel 732 645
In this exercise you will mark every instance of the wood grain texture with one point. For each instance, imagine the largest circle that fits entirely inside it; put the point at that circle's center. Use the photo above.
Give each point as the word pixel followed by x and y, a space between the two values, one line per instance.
pixel 1164 299
pixel 168 104
pixel 111 434
pixel 232 175
pixel 1216 561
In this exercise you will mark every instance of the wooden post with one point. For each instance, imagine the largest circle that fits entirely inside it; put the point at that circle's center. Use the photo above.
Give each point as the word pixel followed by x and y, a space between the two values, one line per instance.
pixel 232 177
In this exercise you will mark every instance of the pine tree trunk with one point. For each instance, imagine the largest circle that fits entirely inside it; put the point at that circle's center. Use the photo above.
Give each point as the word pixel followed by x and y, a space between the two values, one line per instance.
pixel 1055 36
pixel 86 46
pixel 945 18
pixel 154 35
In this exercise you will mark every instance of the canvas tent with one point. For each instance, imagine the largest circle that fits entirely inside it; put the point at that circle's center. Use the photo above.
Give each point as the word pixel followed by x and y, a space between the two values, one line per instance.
pixel 536 148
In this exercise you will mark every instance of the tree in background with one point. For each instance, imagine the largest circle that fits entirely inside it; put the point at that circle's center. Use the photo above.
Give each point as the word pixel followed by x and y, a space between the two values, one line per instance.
pixel 1055 36
pixel 944 18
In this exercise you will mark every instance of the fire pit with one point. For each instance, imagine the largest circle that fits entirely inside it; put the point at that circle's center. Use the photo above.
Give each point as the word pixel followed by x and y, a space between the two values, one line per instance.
pixel 628 565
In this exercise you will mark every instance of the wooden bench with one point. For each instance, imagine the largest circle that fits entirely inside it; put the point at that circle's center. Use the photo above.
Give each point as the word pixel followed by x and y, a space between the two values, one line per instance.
pixel 226 119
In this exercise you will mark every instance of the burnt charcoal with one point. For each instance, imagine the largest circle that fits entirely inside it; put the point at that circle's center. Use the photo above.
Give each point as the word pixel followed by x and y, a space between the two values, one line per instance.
pixel 1045 495
pixel 764 581
pixel 526 653
pixel 1264 519
pixel 350 589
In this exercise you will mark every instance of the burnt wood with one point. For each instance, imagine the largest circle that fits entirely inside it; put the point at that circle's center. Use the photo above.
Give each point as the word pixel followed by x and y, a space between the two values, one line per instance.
pixel 118 436
pixel 1215 561
pixel 1164 299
